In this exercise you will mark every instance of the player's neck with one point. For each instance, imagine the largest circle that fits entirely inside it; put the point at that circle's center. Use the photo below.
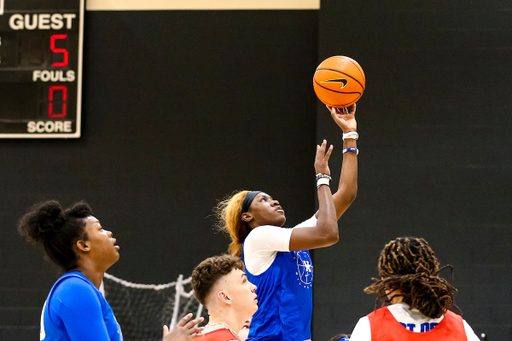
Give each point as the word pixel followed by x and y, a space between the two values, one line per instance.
pixel 395 297
pixel 226 319
pixel 92 274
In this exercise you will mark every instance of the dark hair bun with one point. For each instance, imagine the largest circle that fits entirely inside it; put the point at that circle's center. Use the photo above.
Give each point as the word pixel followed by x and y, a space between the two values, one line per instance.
pixel 42 221
pixel 79 210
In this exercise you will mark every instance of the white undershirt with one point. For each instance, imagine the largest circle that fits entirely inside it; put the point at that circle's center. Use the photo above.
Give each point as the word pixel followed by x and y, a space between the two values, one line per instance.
pixel 264 242
pixel 402 313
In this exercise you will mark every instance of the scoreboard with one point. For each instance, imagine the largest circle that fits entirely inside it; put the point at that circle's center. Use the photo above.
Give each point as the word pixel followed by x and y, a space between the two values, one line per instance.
pixel 41 47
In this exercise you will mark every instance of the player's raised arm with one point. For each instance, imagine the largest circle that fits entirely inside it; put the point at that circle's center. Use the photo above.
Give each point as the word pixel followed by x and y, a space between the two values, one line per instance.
pixel 325 233
pixel 347 188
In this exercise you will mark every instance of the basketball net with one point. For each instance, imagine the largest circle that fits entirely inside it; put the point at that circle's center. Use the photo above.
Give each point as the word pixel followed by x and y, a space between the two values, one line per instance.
pixel 143 309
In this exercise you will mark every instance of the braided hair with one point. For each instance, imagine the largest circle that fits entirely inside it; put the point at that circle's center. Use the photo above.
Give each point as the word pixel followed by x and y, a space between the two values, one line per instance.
pixel 56 229
pixel 408 265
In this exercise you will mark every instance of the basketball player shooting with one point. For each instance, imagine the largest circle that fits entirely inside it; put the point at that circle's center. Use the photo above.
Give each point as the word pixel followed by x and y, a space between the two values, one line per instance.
pixel 277 259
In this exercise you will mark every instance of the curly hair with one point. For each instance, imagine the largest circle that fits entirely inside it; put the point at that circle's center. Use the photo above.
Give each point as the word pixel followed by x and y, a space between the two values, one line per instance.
pixel 229 217
pixel 408 265
pixel 58 230
pixel 208 272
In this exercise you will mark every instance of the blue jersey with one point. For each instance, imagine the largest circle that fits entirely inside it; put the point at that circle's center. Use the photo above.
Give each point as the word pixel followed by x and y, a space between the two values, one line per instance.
pixel 76 310
pixel 285 299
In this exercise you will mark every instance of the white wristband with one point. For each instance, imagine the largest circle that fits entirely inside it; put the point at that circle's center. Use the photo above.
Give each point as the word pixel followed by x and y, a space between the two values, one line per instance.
pixel 322 181
pixel 351 135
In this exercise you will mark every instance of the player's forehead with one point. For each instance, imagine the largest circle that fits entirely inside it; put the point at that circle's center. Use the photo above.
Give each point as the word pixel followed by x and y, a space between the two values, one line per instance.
pixel 262 195
pixel 235 276
pixel 92 221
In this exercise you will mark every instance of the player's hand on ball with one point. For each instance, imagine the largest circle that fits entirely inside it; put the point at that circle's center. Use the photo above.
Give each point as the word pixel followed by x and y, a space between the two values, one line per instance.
pixel 344 117
pixel 184 331
pixel 322 158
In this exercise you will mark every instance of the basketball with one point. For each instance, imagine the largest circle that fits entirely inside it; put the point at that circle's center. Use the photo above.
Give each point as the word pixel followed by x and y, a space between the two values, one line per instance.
pixel 339 81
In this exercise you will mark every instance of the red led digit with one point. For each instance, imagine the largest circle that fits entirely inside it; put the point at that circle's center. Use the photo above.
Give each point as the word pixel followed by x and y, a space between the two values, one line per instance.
pixel 64 90
pixel 58 50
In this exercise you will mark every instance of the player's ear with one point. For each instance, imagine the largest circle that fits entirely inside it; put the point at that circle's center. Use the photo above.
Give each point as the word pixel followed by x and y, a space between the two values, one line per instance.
pixel 223 296
pixel 247 217
pixel 83 245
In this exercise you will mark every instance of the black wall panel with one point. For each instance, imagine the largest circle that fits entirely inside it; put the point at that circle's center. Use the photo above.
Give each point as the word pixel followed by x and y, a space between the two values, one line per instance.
pixel 435 152
pixel 180 109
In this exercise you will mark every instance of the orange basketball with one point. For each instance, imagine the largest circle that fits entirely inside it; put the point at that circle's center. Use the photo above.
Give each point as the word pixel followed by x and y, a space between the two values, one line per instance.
pixel 339 81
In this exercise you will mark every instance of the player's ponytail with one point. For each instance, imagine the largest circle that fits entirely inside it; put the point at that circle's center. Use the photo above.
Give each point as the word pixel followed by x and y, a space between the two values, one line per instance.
pixel 56 230
pixel 229 215
pixel 409 269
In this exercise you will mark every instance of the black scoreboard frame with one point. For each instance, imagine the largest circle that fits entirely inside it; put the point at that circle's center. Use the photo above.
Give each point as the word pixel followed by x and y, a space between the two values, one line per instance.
pixel 41 78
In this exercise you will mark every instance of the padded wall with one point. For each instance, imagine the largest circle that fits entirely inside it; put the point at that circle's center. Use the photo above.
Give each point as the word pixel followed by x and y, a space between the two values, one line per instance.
pixel 181 108
pixel 435 152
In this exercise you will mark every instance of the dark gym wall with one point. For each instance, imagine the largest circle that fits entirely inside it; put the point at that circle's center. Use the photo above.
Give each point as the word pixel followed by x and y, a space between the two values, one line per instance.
pixel 435 152
pixel 181 108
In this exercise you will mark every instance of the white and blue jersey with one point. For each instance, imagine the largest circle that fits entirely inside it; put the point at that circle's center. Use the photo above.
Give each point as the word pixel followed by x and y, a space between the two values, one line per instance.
pixel 75 310
pixel 284 281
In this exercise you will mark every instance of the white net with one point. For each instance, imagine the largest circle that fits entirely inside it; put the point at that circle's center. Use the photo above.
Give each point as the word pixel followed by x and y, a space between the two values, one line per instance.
pixel 142 309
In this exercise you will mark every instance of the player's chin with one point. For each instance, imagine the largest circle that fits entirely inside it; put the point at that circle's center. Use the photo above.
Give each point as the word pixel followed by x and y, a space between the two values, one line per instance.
pixel 255 308
pixel 116 256
pixel 281 220
pixel 116 250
